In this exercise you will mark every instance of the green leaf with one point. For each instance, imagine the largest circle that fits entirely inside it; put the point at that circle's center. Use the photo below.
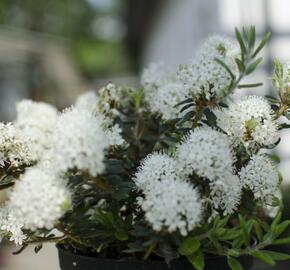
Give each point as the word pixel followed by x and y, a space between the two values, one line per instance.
pixel 225 67
pixel 197 260
pixel 234 264
pixel 252 37
pixel 243 225
pixel 186 117
pixel 240 40
pixel 253 66
pixel 250 85
pixel 121 235
pixel 189 246
pixel 261 255
pixel 258 230
pixel 240 65
pixel 276 220
pixel 277 256
pixel 262 44
pixel 188 100
pixel 231 234
pixel 279 229
pixel 282 241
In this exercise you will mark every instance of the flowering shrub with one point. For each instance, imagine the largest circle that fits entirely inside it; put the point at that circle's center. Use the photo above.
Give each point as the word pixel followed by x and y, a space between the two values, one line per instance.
pixel 177 168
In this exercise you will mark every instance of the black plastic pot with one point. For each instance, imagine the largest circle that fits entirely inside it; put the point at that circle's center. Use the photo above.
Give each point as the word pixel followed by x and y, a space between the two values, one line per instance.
pixel 69 261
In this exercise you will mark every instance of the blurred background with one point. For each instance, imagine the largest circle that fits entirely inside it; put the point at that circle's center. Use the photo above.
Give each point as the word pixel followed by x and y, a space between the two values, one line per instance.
pixel 54 50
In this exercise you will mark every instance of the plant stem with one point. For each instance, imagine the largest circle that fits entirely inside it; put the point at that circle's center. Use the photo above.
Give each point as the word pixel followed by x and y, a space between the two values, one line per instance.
pixel 282 110
pixel 71 237
pixel 149 251
pixel 46 240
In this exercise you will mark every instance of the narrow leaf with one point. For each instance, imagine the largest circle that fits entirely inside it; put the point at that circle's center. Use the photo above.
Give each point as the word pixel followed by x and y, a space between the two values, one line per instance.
pixel 234 264
pixel 250 85
pixel 253 66
pixel 277 256
pixel 197 260
pixel 282 241
pixel 240 40
pixel 262 44
pixel 189 246
pixel 261 255
pixel 225 67
pixel 243 225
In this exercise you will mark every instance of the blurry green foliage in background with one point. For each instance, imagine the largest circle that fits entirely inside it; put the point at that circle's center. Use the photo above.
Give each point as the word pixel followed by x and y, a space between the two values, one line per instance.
pixel 94 27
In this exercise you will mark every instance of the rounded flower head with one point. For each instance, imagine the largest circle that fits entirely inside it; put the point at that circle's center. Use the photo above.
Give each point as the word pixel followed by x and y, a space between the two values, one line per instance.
pixel 155 76
pixel 79 142
pixel 39 199
pixel 173 205
pixel 154 168
pixel 36 122
pixel 162 91
pixel 204 76
pixel 164 100
pixel 249 121
pixel 205 152
pixel 87 101
pixel 225 193
pixel 261 177
pixel 13 149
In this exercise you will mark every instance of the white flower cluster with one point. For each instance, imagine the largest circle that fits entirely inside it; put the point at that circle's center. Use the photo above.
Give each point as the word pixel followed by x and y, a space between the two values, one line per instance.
pixel 39 199
pixel 79 142
pixel 204 76
pixel 206 152
pixel 36 122
pixel 261 177
pixel 154 168
pixel 101 106
pixel 172 204
pixel 155 76
pixel 163 179
pixel 162 91
pixel 225 193
pixel 249 121
pixel 87 101
pixel 13 149
pixel 11 226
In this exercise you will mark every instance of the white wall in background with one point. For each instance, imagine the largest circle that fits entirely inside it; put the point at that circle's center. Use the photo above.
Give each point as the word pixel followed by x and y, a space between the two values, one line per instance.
pixel 178 30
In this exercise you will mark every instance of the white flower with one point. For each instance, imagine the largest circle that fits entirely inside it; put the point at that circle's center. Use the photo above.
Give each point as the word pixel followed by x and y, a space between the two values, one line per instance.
pixel 13 149
pixel 39 199
pixel 249 121
pixel 162 91
pixel 261 177
pixel 36 121
pixel 225 193
pixel 164 100
pixel 204 76
pixel 11 226
pixel 87 101
pixel 154 168
pixel 79 142
pixel 173 205
pixel 114 136
pixel 205 152
pixel 155 76
pixel 100 107
pixel 108 100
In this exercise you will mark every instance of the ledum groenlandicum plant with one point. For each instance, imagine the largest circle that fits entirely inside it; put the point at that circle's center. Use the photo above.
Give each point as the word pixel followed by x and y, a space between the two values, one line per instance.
pixel 178 168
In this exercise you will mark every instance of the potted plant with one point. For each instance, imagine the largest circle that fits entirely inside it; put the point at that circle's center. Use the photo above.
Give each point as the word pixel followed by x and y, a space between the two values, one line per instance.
pixel 175 175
